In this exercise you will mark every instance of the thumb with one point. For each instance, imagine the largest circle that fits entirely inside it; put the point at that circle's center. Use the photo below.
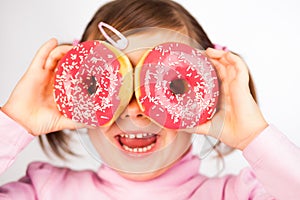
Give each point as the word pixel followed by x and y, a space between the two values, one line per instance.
pixel 213 127
pixel 202 129
pixel 66 123
pixel 42 54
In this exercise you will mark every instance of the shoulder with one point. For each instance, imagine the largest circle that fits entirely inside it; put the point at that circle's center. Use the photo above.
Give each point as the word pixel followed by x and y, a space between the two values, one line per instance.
pixel 45 181
pixel 42 173
pixel 47 169
pixel 246 177
pixel 239 186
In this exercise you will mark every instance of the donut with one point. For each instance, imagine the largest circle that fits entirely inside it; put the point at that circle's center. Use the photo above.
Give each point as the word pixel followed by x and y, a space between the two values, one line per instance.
pixel 176 86
pixel 93 83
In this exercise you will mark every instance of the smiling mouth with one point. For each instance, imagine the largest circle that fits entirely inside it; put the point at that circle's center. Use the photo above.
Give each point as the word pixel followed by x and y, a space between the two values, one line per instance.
pixel 137 143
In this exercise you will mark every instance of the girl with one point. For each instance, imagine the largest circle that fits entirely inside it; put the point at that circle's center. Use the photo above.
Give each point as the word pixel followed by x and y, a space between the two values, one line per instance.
pixel 31 111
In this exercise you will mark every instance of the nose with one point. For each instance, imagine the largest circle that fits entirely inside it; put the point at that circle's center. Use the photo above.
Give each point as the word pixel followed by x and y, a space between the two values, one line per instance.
pixel 132 110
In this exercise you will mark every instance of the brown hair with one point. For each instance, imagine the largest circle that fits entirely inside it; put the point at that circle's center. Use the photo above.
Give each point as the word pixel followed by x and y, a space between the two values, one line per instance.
pixel 131 14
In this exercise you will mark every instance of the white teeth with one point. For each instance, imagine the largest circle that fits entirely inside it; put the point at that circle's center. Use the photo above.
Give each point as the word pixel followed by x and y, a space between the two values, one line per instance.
pixel 138 149
pixel 139 135
pixel 131 136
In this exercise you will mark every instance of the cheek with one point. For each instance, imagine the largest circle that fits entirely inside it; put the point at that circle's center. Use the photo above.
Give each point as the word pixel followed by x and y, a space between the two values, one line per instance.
pixel 94 137
pixel 177 140
pixel 169 137
pixel 100 137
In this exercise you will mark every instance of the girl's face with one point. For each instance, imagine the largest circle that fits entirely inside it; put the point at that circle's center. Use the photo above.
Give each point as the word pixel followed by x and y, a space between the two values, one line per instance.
pixel 133 145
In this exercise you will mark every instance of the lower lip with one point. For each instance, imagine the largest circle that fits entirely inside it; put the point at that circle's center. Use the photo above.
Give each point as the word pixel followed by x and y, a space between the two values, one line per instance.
pixel 154 147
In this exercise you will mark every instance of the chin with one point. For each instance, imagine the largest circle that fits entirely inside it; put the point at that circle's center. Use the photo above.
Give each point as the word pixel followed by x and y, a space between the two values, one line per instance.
pixel 141 176
pixel 150 175
pixel 130 156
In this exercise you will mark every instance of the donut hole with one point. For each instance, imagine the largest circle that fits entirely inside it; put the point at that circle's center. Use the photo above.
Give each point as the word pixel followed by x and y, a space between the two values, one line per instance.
pixel 92 85
pixel 179 86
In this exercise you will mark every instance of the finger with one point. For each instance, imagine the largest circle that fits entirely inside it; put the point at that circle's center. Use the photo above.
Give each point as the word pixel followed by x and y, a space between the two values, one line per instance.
pixel 222 72
pixel 218 55
pixel 215 53
pixel 202 129
pixel 232 62
pixel 42 54
pixel 238 64
pixel 56 55
pixel 236 60
pixel 66 123
pixel 220 68
pixel 233 58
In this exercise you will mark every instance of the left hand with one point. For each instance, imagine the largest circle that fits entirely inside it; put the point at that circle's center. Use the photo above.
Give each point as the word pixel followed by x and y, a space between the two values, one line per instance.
pixel 242 118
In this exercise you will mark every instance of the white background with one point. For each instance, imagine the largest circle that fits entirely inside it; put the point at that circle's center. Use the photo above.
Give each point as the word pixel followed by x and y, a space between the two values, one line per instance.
pixel 266 33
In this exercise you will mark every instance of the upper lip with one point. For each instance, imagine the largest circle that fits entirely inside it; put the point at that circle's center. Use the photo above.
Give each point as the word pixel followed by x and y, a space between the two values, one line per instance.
pixel 129 127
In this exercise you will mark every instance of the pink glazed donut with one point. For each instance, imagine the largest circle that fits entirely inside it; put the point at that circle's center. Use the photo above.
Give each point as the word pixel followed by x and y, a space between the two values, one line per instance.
pixel 92 83
pixel 176 86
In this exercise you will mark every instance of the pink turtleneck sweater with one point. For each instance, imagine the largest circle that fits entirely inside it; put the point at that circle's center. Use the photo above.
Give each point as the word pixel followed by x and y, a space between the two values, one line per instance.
pixel 274 174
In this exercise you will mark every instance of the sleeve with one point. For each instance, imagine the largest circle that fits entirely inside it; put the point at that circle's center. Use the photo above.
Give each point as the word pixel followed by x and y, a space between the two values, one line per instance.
pixel 276 163
pixel 22 189
pixel 36 184
pixel 13 138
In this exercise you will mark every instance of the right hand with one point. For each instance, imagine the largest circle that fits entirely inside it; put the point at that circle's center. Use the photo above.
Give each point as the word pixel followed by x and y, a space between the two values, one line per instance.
pixel 239 115
pixel 31 103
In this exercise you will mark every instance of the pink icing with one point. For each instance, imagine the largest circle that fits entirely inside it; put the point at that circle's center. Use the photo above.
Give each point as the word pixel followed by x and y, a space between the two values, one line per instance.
pixel 87 83
pixel 171 61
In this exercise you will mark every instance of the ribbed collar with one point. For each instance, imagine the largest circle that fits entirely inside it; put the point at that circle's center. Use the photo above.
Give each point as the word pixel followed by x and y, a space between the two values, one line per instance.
pixel 180 180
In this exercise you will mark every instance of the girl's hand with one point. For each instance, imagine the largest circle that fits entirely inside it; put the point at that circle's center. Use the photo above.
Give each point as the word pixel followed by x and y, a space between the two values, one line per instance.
pixel 31 103
pixel 241 117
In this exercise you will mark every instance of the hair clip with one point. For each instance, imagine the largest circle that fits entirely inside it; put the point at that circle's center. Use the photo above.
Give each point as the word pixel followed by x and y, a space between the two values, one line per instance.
pixel 220 47
pixel 121 43
pixel 75 42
